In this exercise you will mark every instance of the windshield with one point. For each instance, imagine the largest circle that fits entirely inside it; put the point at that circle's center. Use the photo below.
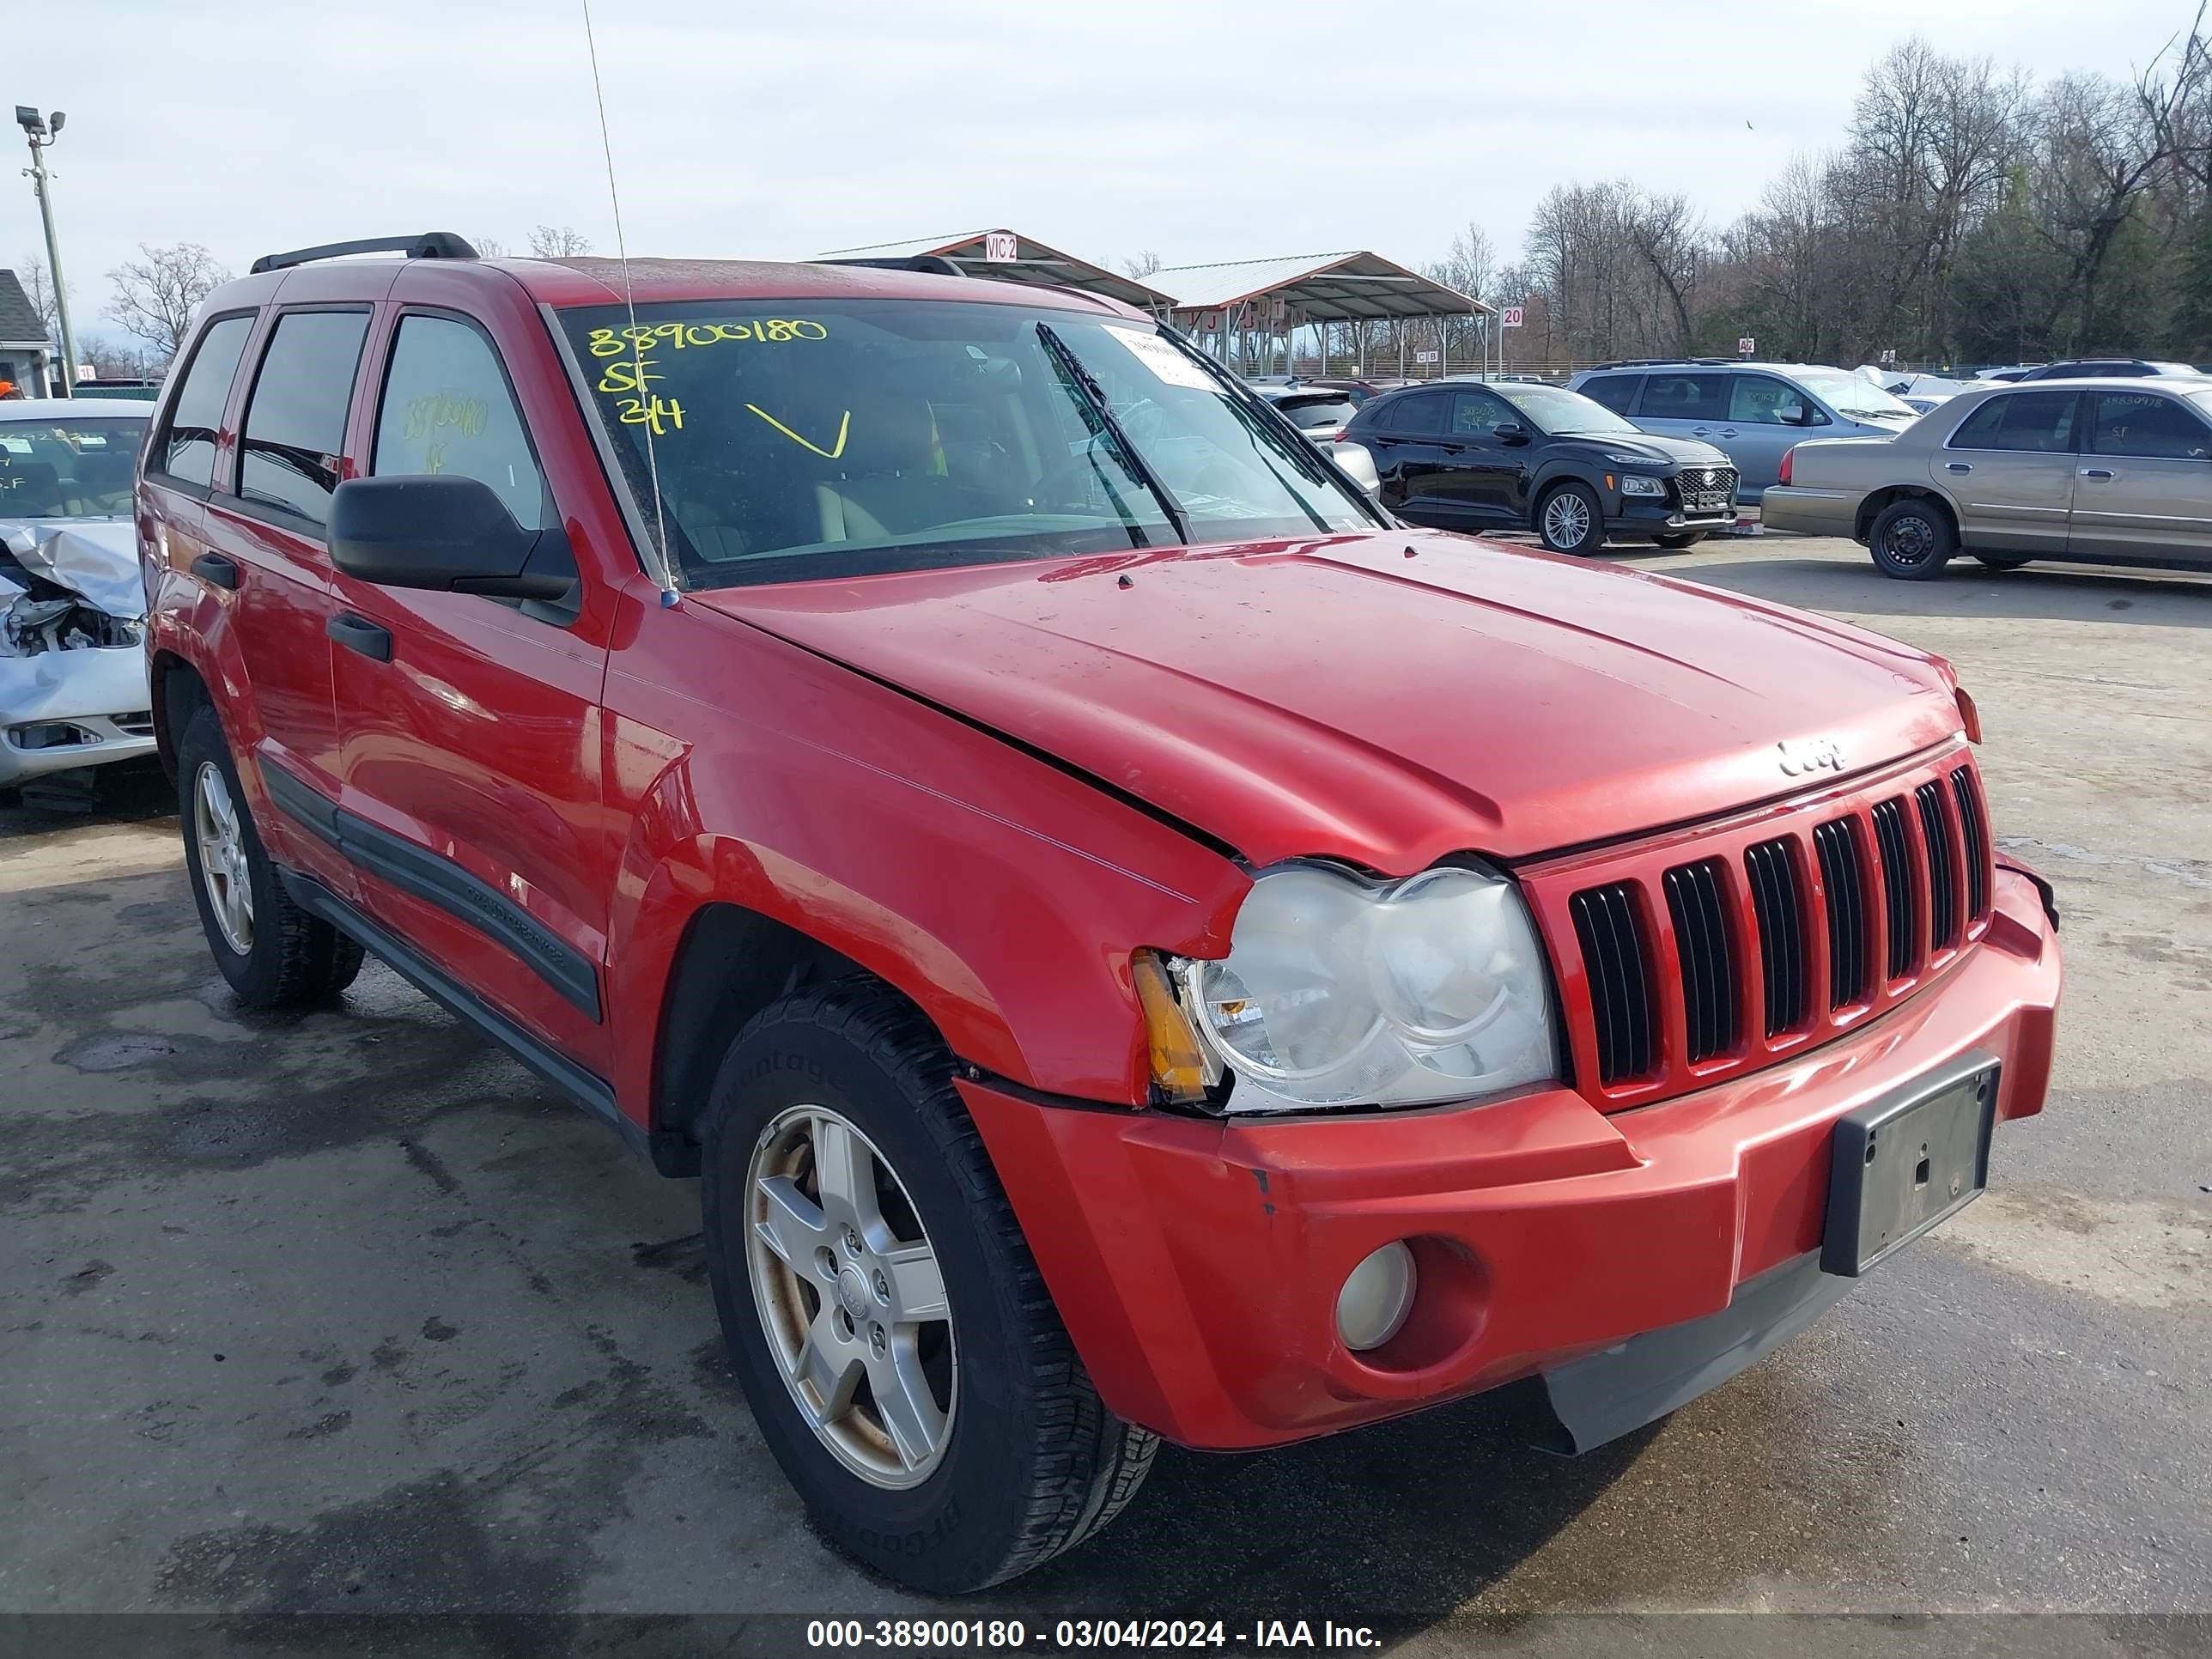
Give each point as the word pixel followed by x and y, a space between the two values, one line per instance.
pixel 792 441
pixel 1558 411
pixel 1853 395
pixel 67 468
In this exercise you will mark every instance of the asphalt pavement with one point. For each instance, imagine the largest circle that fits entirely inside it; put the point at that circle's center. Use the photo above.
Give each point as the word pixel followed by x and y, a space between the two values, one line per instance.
pixel 342 1311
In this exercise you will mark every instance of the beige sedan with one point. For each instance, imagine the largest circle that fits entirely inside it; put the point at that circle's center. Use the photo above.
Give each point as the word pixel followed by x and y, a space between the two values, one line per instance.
pixel 2102 471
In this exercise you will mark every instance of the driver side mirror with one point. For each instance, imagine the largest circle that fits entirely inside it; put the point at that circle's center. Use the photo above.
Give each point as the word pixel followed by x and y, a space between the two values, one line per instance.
pixel 1510 432
pixel 441 531
pixel 1795 414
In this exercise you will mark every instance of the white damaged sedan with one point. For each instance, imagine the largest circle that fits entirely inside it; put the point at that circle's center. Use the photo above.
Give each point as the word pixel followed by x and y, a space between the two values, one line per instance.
pixel 72 604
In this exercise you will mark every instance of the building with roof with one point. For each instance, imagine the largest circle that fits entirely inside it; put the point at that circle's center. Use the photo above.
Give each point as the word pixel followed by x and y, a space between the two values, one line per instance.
pixel 1006 256
pixel 26 356
pixel 1239 310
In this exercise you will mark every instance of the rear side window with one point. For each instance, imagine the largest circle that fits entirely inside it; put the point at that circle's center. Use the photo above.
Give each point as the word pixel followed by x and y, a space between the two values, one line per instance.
pixel 186 452
pixel 1616 391
pixel 1419 416
pixel 1686 397
pixel 2039 422
pixel 447 408
pixel 295 426
pixel 2143 423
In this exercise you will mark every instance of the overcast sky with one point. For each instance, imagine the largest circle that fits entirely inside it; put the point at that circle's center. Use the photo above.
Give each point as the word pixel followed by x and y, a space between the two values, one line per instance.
pixel 1205 132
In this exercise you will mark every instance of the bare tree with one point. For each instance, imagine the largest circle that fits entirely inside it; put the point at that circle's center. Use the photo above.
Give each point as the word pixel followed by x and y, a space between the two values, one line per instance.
pixel 1143 266
pixel 490 247
pixel 155 296
pixel 114 360
pixel 39 288
pixel 557 242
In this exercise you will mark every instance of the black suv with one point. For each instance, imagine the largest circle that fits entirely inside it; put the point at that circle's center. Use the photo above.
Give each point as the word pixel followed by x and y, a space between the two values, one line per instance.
pixel 1517 456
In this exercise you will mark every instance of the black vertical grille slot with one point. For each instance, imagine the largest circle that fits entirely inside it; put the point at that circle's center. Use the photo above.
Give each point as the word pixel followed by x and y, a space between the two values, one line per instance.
pixel 1977 843
pixel 1620 990
pixel 1843 879
pixel 1896 882
pixel 1942 880
pixel 1772 875
pixel 1701 946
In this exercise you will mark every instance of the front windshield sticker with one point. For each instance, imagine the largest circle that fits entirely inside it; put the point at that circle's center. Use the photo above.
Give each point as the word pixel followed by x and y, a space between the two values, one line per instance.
pixel 1161 358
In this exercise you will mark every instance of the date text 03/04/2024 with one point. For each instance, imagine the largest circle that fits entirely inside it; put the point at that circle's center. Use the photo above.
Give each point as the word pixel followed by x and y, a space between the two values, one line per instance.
pixel 1076 1635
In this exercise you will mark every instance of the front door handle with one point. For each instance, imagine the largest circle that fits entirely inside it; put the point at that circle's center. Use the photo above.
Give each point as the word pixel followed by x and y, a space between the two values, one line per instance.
pixel 1958 466
pixel 216 570
pixel 1701 431
pixel 1728 432
pixel 366 637
pixel 2104 474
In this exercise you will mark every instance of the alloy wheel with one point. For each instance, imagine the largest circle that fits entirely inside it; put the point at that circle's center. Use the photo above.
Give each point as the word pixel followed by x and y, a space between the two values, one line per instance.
pixel 851 1297
pixel 224 871
pixel 1566 519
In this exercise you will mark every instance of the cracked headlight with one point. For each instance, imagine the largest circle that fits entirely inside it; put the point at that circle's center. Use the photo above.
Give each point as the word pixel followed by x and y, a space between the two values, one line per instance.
pixel 1342 992
pixel 1635 483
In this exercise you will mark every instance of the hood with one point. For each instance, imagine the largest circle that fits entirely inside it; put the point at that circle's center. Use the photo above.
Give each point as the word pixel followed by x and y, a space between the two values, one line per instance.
pixel 1383 699
pixel 1681 451
pixel 96 559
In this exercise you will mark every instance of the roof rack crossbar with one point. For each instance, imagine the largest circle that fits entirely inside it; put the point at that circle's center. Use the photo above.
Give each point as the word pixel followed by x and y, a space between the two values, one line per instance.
pixel 428 245
pixel 936 263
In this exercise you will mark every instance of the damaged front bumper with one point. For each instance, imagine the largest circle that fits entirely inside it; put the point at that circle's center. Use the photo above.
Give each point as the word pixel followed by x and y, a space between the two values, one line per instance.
pixel 73 686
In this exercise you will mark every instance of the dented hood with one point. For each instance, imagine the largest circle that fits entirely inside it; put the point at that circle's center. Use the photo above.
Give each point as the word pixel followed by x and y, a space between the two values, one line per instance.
pixel 96 559
pixel 1384 699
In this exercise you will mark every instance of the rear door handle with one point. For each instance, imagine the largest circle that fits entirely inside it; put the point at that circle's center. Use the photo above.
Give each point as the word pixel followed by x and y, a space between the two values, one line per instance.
pixel 2102 473
pixel 1728 432
pixel 1958 466
pixel 366 637
pixel 1701 432
pixel 216 570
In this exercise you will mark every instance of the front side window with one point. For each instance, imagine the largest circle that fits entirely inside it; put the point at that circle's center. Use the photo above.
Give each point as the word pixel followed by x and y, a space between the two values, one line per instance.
pixel 186 452
pixel 67 468
pixel 1759 399
pixel 2145 424
pixel 447 408
pixel 799 439
pixel 1616 391
pixel 294 427
pixel 2038 421
pixel 1473 413
pixel 1686 397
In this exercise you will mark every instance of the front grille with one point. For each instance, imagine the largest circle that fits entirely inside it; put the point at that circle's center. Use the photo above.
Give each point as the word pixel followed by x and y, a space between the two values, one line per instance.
pixel 1705 488
pixel 1855 900
pixel 1942 879
pixel 1772 874
pixel 1896 883
pixel 1844 893
pixel 1704 952
pixel 1610 932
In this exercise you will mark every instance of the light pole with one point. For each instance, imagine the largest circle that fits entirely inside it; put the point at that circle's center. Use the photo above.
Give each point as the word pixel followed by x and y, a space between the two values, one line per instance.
pixel 41 135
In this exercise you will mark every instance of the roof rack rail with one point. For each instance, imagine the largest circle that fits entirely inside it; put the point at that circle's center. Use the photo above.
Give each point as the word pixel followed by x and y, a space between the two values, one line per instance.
pixel 429 245
pixel 936 263
pixel 1664 362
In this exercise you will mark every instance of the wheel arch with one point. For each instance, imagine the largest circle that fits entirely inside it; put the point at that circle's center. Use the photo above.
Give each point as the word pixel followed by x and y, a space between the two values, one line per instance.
pixel 1871 506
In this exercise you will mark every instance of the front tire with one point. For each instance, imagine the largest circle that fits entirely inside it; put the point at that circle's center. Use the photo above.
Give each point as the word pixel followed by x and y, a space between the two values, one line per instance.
pixel 883 1312
pixel 1571 520
pixel 1912 539
pixel 274 954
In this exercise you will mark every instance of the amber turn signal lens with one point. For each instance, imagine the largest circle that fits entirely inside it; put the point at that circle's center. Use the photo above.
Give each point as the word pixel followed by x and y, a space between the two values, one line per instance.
pixel 1178 1063
pixel 1970 716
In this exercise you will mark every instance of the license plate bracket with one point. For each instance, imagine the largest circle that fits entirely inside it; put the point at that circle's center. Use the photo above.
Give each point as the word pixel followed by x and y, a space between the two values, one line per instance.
pixel 1905 1163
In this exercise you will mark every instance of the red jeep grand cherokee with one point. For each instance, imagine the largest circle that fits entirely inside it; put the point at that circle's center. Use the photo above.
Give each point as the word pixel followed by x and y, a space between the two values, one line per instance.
pixel 1136 943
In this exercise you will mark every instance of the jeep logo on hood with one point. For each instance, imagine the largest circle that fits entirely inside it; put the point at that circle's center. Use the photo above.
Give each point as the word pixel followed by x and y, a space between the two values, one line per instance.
pixel 1809 755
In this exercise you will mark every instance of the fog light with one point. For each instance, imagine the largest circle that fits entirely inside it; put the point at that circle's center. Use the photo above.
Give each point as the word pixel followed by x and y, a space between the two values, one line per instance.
pixel 1375 1298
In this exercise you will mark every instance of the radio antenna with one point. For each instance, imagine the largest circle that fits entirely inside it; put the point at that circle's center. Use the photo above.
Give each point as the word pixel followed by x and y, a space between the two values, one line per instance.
pixel 667 572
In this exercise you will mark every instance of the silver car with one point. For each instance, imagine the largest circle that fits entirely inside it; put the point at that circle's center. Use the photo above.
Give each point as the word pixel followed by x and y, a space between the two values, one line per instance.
pixel 72 607
pixel 1755 412
pixel 1321 412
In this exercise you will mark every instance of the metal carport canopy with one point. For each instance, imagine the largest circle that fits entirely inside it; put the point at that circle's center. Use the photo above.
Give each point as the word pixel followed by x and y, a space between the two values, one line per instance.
pixel 1033 261
pixel 1351 287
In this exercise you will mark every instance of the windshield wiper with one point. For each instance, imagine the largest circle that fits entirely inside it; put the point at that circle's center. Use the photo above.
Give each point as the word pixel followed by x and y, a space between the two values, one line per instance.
pixel 1094 395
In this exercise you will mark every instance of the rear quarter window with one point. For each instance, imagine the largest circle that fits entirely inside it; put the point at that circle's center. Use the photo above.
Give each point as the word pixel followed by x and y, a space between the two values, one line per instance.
pixel 186 452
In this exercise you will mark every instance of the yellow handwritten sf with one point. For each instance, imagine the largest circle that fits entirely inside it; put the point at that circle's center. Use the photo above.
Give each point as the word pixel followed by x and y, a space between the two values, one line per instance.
pixel 844 427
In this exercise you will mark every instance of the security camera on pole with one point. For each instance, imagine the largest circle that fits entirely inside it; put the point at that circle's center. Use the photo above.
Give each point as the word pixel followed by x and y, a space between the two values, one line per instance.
pixel 41 132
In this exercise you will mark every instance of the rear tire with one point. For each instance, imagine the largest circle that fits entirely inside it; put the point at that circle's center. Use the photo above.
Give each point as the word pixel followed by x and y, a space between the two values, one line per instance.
pixel 1569 520
pixel 1012 1458
pixel 1912 539
pixel 1676 543
pixel 274 954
